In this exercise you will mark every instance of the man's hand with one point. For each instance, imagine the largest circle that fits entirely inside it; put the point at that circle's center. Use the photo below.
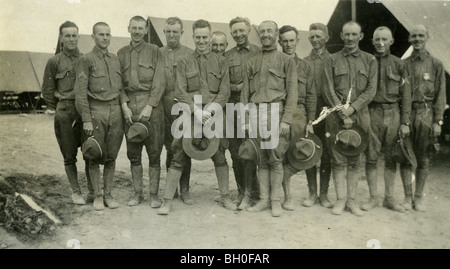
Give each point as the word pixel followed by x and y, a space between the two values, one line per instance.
pixel 437 129
pixel 206 115
pixel 88 128
pixel 284 128
pixel 348 122
pixel 145 113
pixel 404 130
pixel 309 129
pixel 345 113
pixel 126 111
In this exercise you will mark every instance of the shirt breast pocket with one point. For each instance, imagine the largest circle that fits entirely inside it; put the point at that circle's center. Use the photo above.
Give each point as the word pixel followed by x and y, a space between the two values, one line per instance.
pixel 235 71
pixel 193 81
pixel 146 72
pixel 214 80
pixel 428 85
pixel 302 87
pixel 341 79
pixel 65 79
pixel 362 79
pixel 97 80
pixel 254 83
pixel 275 81
pixel 394 83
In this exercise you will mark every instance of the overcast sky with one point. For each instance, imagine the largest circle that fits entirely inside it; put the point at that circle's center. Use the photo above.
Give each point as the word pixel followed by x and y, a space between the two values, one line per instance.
pixel 32 25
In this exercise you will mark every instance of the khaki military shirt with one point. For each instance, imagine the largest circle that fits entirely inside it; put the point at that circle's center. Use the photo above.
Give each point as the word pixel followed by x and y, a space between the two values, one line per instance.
pixel 171 58
pixel 307 95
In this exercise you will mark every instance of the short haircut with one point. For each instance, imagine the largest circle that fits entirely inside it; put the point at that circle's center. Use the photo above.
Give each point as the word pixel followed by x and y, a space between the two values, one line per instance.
pixel 352 23
pixel 276 25
pixel 219 33
pixel 98 24
pixel 67 24
pixel 137 18
pixel 201 24
pixel 420 27
pixel 319 26
pixel 383 28
pixel 174 20
pixel 240 19
pixel 287 28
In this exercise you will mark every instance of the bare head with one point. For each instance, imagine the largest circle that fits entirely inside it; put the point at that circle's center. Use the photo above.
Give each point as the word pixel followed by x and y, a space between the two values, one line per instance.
pixel 382 39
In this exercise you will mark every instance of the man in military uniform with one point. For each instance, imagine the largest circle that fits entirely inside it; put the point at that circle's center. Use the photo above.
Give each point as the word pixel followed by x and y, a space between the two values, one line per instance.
pixel 350 74
pixel 143 79
pixel 58 92
pixel 219 42
pixel 389 114
pixel 172 53
pixel 305 111
pixel 204 74
pixel 271 80
pixel 318 36
pixel 244 171
pixel 97 88
pixel 428 103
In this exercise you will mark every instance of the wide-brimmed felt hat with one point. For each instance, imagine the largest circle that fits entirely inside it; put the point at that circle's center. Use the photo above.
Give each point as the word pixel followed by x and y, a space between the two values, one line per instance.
pixel 352 141
pixel 402 151
pixel 94 150
pixel 304 151
pixel 200 148
pixel 250 150
pixel 138 131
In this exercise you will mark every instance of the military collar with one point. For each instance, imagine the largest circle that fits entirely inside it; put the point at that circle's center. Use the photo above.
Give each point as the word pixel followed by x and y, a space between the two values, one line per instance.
pixel 383 55
pixel 323 54
pixel 246 46
pixel 170 49
pixel 99 53
pixel 198 54
pixel 273 47
pixel 138 48
pixel 346 53
pixel 75 53
pixel 419 55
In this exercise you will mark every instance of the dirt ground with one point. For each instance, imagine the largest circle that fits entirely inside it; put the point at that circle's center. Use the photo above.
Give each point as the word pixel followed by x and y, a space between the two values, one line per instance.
pixel 31 163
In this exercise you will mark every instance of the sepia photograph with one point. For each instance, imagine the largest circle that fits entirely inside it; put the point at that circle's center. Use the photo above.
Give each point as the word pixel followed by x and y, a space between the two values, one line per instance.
pixel 237 125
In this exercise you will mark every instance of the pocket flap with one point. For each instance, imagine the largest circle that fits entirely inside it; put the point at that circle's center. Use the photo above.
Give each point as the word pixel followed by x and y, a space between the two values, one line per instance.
pixel 61 75
pixel 339 71
pixel 191 74
pixel 146 65
pixel 277 73
pixel 235 62
pixel 364 73
pixel 216 75
pixel 302 80
pixel 394 77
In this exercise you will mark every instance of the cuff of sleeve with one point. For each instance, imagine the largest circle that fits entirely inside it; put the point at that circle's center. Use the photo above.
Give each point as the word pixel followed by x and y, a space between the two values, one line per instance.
pixel 86 117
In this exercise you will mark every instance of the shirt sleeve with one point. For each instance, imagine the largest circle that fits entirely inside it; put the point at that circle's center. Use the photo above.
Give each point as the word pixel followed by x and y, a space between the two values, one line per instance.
pixel 440 97
pixel 181 85
pixel 123 93
pixel 369 92
pixel 224 93
pixel 49 84
pixel 159 82
pixel 81 89
pixel 327 90
pixel 406 94
pixel 311 94
pixel 291 90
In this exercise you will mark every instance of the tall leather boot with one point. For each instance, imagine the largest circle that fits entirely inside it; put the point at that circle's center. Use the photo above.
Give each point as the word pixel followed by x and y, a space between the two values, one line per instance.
pixel 154 175
pixel 286 184
pixel 371 176
pixel 90 197
pixel 108 179
pixel 420 185
pixel 250 184
pixel 275 178
pixel 311 177
pixel 223 180
pixel 184 186
pixel 94 173
pixel 72 175
pixel 239 171
pixel 406 175
pixel 324 184
pixel 389 201
pixel 172 180
pixel 352 187
pixel 264 191
pixel 339 179
pixel 136 177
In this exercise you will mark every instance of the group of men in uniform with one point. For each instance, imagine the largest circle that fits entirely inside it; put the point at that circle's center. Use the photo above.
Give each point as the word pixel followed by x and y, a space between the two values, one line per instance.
pixel 370 103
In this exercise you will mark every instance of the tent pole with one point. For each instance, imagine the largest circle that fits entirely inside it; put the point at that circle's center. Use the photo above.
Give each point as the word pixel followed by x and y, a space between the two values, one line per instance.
pixel 353 10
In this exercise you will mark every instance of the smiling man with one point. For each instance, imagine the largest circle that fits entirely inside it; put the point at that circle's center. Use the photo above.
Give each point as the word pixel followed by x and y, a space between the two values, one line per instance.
pixel 428 103
pixel 219 42
pixel 350 75
pixel 205 74
pixel 271 78
pixel 389 114
pixel 172 53
pixel 143 79
pixel 97 91
pixel 244 171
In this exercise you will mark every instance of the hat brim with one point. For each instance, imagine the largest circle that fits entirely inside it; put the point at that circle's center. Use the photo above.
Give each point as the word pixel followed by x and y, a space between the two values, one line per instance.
pixel 355 151
pixel 142 127
pixel 198 154
pixel 304 165
pixel 101 148
pixel 408 152
pixel 254 144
